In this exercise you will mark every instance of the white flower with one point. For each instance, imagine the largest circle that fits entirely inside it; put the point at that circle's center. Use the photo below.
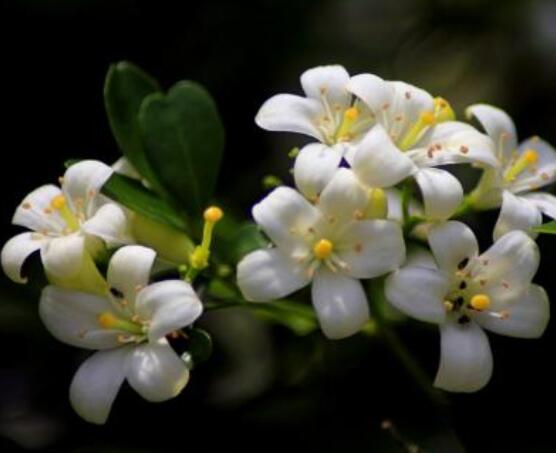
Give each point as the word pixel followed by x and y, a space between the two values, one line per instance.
pixel 328 113
pixel 465 292
pixel 65 222
pixel 128 328
pixel 522 169
pixel 331 245
pixel 414 132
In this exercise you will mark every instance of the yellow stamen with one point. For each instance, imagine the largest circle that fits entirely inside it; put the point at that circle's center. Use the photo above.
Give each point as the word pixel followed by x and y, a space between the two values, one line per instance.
pixel 350 116
pixel 443 110
pixel 528 157
pixel 377 206
pixel 426 119
pixel 480 302
pixel 200 256
pixel 323 249
pixel 59 204
pixel 449 306
pixel 108 320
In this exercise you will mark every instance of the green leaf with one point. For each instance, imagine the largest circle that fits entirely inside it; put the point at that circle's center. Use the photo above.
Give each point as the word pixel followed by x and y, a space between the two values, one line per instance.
pixel 184 140
pixel 299 318
pixel 234 239
pixel 199 345
pixel 546 228
pixel 125 88
pixel 133 195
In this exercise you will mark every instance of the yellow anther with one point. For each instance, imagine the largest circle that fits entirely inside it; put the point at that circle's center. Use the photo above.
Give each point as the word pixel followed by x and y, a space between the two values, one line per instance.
pixel 443 110
pixel 528 157
pixel 480 302
pixel 377 206
pixel 58 202
pixel 323 249
pixel 531 156
pixel 449 306
pixel 351 114
pixel 213 214
pixel 107 320
pixel 427 118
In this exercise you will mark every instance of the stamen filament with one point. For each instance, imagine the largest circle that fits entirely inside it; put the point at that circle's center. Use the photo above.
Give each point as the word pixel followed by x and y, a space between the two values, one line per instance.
pixel 59 204
pixel 426 119
pixel 527 158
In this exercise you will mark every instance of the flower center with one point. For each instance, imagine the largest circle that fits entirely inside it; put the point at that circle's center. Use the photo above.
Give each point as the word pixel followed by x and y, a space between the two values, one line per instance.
pixel 480 302
pixel 323 249
pixel 344 131
pixel 107 320
pixel 59 204
pixel 528 158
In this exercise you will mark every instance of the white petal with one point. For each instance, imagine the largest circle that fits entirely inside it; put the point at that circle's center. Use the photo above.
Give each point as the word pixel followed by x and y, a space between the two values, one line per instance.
pixel 343 197
pixel 512 262
pixel 395 206
pixel 63 256
pixel 419 292
pixel 156 372
pixel 168 305
pixel 528 317
pixel 418 256
pixel 498 125
pixel 129 270
pixel 123 167
pixel 109 223
pixel 372 90
pixel 451 243
pixel 544 170
pixel 314 167
pixel 290 113
pixel 371 248
pixel 82 183
pixel 267 274
pixel 72 317
pixel 329 81
pixel 517 213
pixel 465 358
pixel 442 192
pixel 340 303
pixel 285 216
pixel 545 202
pixel 16 251
pixel 453 142
pixel 97 382
pixel 378 162
pixel 35 211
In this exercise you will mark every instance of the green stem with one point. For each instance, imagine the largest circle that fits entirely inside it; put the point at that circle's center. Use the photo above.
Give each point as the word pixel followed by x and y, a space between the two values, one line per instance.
pixel 406 198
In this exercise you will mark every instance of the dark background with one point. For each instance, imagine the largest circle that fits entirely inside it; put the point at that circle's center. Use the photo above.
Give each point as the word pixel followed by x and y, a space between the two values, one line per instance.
pixel 266 389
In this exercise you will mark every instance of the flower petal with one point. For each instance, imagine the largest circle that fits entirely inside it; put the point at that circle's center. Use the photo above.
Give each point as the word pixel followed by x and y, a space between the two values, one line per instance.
pixel 314 167
pixel 512 262
pixel 72 317
pixel 545 202
pixel 329 81
pixel 156 372
pixel 442 192
pixel 544 170
pixel 290 113
pixel 63 256
pixel 17 250
pixel 419 292
pixel 528 317
pixel 344 197
pixel 377 162
pixel 35 211
pixel 451 243
pixel 453 142
pixel 109 223
pixel 267 274
pixel 97 382
pixel 285 216
pixel 82 183
pixel 371 248
pixel 517 213
pixel 168 305
pixel 465 358
pixel 124 167
pixel 498 125
pixel 340 303
pixel 129 270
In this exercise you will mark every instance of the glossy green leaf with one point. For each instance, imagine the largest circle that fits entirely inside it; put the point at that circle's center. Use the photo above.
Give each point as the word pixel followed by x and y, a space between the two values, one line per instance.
pixel 133 195
pixel 547 228
pixel 125 88
pixel 184 141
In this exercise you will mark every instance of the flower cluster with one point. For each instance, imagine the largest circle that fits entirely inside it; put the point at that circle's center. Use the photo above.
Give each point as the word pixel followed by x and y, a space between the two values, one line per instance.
pixel 374 206
pixel 342 225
